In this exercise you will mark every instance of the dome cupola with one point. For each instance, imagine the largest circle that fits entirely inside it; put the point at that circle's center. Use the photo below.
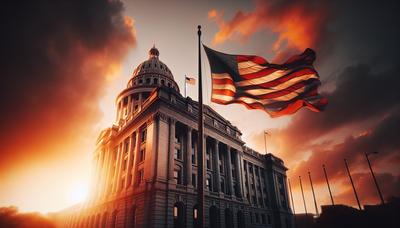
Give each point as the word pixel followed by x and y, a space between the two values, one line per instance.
pixel 147 76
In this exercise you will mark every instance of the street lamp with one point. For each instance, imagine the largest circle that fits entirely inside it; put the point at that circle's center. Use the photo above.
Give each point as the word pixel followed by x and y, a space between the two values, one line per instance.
pixel 373 175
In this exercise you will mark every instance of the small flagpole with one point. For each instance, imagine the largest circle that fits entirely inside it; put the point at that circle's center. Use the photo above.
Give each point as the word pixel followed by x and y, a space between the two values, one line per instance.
pixel 313 193
pixel 302 193
pixel 291 196
pixel 185 86
pixel 200 157
pixel 265 141
pixel 327 183
pixel 352 184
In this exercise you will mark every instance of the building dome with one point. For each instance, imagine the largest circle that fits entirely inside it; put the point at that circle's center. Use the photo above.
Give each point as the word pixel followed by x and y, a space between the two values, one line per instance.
pixel 153 66
pixel 146 77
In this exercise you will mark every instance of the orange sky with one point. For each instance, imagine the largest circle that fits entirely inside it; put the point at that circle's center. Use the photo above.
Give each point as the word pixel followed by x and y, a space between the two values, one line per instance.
pixel 70 83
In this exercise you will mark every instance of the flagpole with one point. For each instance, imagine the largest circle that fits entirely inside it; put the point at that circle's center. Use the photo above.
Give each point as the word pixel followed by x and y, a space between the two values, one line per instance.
pixel 327 182
pixel 313 193
pixel 352 184
pixel 200 157
pixel 291 196
pixel 265 141
pixel 302 193
pixel 185 86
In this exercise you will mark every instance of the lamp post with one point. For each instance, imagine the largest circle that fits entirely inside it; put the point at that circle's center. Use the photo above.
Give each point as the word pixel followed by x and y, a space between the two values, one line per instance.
pixel 373 176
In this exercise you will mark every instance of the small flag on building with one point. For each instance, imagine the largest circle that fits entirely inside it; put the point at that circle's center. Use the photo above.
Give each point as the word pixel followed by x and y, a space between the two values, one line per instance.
pixel 278 89
pixel 190 81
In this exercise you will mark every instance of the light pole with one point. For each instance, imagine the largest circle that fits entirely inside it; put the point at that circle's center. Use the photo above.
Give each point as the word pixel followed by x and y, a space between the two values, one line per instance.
pixel 373 176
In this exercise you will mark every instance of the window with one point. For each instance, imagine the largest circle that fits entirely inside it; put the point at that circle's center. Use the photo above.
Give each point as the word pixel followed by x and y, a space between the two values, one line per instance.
pixel 222 185
pixel 263 220
pixel 208 160
pixel 142 155
pixel 177 154
pixel 221 164
pixel 143 135
pixel 148 81
pixel 126 145
pixel 155 81
pixel 140 81
pixel 269 219
pixel 194 180
pixel 254 200
pixel 209 183
pixel 193 153
pixel 140 177
pixel 124 166
pixel 178 175
pixel 162 82
pixel 257 218
pixel 122 184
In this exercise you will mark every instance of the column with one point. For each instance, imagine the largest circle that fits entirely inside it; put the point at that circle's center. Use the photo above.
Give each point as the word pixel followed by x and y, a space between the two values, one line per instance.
pixel 135 156
pixel 261 186
pixel 229 167
pixel 171 149
pixel 216 164
pixel 248 187
pixel 238 174
pixel 255 183
pixel 189 156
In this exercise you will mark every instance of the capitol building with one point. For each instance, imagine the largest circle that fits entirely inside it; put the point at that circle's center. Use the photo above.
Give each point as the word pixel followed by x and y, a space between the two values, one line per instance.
pixel 145 165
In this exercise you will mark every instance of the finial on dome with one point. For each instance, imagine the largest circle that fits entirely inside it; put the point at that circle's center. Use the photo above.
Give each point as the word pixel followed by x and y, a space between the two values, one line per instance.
pixel 154 53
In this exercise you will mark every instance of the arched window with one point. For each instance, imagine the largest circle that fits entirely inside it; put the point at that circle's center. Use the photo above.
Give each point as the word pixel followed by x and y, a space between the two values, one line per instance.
pixel 162 82
pixel 228 217
pixel 114 219
pixel 155 81
pixel 240 219
pixel 195 215
pixel 97 220
pixel 104 220
pixel 132 218
pixel 214 217
pixel 179 215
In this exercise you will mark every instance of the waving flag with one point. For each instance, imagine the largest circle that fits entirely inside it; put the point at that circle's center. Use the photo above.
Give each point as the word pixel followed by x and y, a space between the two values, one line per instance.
pixel 277 89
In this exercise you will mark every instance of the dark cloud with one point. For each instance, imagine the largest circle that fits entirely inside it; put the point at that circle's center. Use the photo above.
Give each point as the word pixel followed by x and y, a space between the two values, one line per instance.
pixel 11 218
pixel 358 60
pixel 55 57
pixel 297 24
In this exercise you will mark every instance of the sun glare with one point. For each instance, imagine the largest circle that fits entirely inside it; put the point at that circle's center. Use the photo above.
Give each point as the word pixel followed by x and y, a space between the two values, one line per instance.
pixel 79 193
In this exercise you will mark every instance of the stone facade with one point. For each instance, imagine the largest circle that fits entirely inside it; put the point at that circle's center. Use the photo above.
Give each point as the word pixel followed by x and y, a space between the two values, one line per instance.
pixel 145 170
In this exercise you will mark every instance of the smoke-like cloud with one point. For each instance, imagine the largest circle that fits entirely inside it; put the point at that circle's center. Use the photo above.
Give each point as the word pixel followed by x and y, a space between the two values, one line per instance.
pixel 361 68
pixel 298 25
pixel 55 62
pixel 11 218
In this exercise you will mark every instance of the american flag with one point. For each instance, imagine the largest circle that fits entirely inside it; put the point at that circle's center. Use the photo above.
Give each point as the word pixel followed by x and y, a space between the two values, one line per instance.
pixel 278 89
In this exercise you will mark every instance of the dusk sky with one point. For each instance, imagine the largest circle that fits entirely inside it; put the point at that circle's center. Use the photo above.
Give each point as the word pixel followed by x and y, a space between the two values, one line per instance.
pixel 63 64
